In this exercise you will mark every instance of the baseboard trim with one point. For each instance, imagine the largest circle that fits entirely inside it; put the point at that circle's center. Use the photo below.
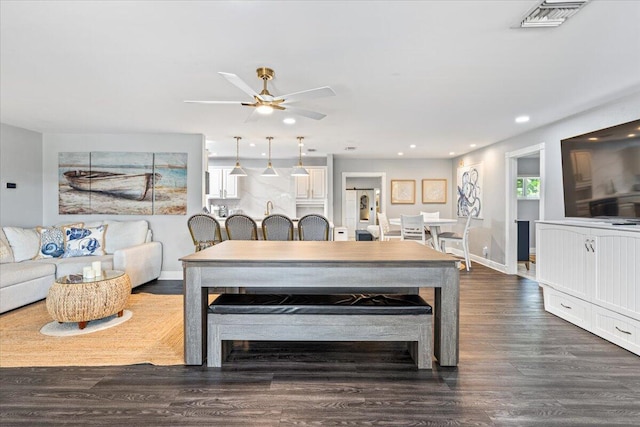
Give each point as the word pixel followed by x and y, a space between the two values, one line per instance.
pixel 170 275
pixel 484 261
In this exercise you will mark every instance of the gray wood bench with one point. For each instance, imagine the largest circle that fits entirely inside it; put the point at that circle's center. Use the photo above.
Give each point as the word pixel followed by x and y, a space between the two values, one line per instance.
pixel 247 317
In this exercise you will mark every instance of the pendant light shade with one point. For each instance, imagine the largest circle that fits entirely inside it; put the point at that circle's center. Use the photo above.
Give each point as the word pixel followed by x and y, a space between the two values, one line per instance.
pixel 299 170
pixel 269 171
pixel 237 170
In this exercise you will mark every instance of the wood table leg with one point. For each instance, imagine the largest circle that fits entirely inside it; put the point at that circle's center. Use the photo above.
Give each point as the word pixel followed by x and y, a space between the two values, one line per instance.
pixel 120 313
pixel 446 318
pixel 82 325
pixel 195 314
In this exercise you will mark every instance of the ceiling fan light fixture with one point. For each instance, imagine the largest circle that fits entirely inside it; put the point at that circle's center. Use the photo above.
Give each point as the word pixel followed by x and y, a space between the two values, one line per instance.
pixel 264 109
pixel 237 170
pixel 299 170
pixel 269 171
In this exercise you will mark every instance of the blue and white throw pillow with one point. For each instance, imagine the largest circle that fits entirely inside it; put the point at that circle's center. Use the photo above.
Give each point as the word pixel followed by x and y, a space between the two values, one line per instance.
pixel 52 241
pixel 83 241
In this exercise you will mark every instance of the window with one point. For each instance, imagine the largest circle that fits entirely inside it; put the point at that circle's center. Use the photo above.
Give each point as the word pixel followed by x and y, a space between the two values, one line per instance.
pixel 528 187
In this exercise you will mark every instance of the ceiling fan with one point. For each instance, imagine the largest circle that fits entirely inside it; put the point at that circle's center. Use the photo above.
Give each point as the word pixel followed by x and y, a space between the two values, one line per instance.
pixel 265 102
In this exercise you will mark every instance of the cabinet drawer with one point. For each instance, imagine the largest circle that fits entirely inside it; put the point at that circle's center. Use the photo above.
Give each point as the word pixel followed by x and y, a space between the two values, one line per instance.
pixel 618 329
pixel 567 307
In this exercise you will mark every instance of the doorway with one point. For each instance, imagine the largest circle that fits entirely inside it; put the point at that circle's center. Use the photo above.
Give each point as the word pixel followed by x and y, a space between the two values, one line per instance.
pixel 525 181
pixel 366 190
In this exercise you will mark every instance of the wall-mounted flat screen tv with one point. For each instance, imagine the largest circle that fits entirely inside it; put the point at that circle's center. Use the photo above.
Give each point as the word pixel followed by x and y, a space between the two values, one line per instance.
pixel 601 173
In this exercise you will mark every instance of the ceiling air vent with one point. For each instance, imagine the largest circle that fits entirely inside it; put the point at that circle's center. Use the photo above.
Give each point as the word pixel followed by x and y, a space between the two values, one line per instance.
pixel 552 13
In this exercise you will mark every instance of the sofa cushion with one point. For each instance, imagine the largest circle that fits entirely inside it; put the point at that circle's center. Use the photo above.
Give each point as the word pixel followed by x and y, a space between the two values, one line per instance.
pixel 83 241
pixel 24 242
pixel 67 266
pixel 18 272
pixel 6 255
pixel 52 240
pixel 124 234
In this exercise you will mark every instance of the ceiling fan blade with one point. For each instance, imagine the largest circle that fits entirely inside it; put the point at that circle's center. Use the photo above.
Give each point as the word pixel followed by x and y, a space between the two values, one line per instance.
pixel 240 84
pixel 307 94
pixel 212 102
pixel 306 113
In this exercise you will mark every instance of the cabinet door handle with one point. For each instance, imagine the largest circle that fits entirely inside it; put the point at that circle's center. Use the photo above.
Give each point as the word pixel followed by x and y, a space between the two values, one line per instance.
pixel 565 306
pixel 623 331
pixel 592 245
pixel 586 245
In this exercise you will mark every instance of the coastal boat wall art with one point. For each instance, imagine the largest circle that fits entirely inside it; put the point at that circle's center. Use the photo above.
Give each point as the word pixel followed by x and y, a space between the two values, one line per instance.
pixel 122 183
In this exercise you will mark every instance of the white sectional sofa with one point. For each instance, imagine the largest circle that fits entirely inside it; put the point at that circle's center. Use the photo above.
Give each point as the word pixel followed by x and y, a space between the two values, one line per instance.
pixel 127 245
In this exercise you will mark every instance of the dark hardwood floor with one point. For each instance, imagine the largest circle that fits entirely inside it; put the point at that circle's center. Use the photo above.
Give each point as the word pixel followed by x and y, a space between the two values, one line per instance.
pixel 518 366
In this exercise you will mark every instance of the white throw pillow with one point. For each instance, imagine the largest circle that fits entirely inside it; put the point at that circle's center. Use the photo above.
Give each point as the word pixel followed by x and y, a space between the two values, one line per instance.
pixel 124 234
pixel 83 241
pixel 24 242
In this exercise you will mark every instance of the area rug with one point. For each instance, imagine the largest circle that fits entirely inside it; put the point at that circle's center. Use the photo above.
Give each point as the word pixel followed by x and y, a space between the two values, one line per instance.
pixel 154 334
pixel 69 329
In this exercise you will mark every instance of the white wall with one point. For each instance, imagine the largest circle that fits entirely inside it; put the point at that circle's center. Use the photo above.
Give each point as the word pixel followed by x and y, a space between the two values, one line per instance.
pixel 416 169
pixel 171 230
pixel 20 163
pixel 490 231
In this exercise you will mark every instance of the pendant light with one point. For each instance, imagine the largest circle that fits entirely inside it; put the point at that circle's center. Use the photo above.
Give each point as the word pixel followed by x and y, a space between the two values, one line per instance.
pixel 238 171
pixel 300 170
pixel 269 171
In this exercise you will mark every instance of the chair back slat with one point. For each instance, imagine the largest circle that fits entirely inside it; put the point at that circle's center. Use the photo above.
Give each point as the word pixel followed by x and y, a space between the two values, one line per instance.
pixel 412 228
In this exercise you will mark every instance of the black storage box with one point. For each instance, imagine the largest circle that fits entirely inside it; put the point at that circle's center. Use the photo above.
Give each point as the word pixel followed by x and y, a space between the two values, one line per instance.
pixel 364 235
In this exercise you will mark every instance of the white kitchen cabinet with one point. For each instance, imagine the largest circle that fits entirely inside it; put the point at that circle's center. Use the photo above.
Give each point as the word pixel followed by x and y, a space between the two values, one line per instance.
pixel 312 187
pixel 221 184
pixel 590 274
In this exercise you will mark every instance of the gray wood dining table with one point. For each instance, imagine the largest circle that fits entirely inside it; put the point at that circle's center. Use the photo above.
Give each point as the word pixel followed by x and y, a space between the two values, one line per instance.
pixel 324 267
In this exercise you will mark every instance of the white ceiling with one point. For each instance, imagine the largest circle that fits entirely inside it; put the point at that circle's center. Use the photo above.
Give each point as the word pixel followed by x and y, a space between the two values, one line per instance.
pixel 438 74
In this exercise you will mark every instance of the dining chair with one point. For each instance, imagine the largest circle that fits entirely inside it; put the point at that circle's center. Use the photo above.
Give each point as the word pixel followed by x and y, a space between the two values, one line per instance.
pixel 463 238
pixel 427 216
pixel 204 230
pixel 241 227
pixel 277 227
pixel 313 227
pixel 386 233
pixel 412 228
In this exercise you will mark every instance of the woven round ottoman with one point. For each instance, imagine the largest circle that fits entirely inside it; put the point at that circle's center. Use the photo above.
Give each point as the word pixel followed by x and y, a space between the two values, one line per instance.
pixel 73 299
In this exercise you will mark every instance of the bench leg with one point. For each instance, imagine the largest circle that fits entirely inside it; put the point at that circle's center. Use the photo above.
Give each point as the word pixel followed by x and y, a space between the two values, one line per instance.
pixel 214 347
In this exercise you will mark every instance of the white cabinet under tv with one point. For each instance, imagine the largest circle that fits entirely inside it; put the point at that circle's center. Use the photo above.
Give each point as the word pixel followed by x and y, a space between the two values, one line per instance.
pixel 590 274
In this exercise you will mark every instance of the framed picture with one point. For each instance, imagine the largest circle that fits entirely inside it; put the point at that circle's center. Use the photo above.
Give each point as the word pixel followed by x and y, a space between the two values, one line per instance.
pixel 434 191
pixel 470 189
pixel 403 191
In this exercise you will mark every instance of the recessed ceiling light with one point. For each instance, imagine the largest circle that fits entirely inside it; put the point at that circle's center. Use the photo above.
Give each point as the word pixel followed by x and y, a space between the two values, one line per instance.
pixel 412 146
pixel 210 141
pixel 522 119
pixel 263 154
pixel 472 145
pixel 400 153
pixel 451 153
pixel 252 144
pixel 350 148
pixel 304 154
pixel 593 139
pixel 631 135
pixel 289 121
